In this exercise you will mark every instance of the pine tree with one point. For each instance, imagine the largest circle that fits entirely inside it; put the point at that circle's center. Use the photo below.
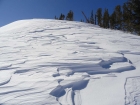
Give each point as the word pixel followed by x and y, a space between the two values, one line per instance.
pixel 113 21
pixel 99 16
pixel 118 13
pixel 62 17
pixel 126 23
pixel 70 16
pixel 92 18
pixel 95 18
pixel 106 19
pixel 55 17
pixel 133 9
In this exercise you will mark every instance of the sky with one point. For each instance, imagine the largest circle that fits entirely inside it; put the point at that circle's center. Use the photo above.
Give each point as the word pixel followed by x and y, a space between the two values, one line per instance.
pixel 13 10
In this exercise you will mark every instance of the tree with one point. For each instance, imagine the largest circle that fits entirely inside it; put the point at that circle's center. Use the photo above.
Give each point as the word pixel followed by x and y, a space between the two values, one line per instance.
pixel 87 20
pixel 106 19
pixel 126 15
pixel 133 10
pixel 118 13
pixel 70 16
pixel 113 20
pixel 99 16
pixel 62 17
pixel 55 18
pixel 95 18
pixel 92 18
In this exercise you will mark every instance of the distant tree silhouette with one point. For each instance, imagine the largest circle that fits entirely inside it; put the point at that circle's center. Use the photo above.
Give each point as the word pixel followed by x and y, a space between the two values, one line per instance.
pixel 106 19
pixel 99 16
pixel 126 23
pixel 126 17
pixel 95 18
pixel 118 16
pixel 55 17
pixel 62 17
pixel 92 18
pixel 70 15
pixel 113 20
pixel 133 10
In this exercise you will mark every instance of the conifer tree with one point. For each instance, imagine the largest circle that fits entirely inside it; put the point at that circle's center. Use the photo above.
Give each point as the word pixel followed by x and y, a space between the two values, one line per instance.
pixel 99 16
pixel 55 17
pixel 62 17
pixel 126 23
pixel 133 9
pixel 70 16
pixel 92 18
pixel 106 19
pixel 118 13
pixel 113 20
pixel 95 18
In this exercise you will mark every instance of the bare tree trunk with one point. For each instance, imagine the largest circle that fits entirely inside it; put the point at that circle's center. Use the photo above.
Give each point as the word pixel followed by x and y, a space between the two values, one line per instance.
pixel 86 17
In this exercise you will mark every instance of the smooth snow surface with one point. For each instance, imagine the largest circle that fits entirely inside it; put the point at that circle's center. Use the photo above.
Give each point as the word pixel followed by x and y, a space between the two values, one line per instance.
pixel 52 62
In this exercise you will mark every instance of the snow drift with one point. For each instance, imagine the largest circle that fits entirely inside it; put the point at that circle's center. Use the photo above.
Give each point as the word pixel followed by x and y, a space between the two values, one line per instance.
pixel 52 62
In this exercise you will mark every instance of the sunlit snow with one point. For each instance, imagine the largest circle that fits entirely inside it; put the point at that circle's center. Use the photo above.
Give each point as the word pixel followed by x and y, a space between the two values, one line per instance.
pixel 52 62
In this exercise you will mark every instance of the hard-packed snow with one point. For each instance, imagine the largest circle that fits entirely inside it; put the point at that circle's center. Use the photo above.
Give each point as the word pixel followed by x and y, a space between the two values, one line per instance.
pixel 52 62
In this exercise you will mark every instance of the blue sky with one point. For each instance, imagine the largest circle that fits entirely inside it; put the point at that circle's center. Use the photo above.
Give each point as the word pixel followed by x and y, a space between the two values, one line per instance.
pixel 12 10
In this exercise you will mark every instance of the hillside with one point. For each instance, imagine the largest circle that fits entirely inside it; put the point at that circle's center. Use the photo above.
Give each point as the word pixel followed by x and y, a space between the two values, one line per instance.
pixel 52 62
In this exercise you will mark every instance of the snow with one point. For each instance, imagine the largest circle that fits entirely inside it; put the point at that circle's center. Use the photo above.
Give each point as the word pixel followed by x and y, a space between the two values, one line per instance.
pixel 53 62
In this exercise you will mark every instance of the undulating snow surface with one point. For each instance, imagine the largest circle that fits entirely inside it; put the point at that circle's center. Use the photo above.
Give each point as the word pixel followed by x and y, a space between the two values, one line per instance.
pixel 51 62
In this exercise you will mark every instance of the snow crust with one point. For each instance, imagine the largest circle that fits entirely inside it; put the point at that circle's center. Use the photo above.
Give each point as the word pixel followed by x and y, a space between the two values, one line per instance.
pixel 52 62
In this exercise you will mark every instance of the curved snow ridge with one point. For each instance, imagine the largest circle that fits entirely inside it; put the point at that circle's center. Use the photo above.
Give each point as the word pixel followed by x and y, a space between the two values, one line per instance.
pixel 5 66
pixel 68 98
pixel 132 91
pixel 60 90
pixel 69 94
pixel 5 77
pixel 71 97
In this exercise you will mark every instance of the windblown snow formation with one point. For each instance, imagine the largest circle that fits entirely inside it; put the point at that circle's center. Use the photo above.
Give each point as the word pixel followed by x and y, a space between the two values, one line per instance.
pixel 52 62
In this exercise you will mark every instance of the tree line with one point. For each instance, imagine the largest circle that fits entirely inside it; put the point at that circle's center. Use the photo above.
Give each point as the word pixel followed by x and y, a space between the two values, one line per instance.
pixel 125 17
pixel 69 16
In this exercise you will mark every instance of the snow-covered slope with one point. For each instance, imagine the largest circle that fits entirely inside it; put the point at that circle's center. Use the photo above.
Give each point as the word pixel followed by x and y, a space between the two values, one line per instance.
pixel 51 62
